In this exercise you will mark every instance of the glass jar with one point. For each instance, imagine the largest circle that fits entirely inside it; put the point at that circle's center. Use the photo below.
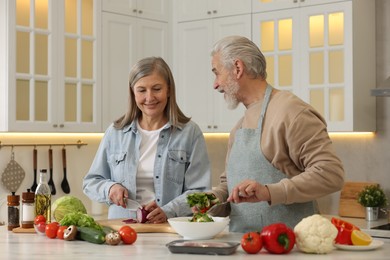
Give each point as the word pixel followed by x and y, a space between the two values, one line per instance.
pixel 13 211
pixel 28 209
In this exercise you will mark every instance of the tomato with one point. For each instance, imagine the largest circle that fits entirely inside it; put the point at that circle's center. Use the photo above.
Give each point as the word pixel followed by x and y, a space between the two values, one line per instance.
pixel 251 242
pixel 60 232
pixel 39 218
pixel 344 231
pixel 128 235
pixel 40 227
pixel 51 229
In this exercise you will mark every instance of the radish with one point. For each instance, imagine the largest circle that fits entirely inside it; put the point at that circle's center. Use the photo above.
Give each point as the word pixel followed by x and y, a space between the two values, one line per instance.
pixel 141 215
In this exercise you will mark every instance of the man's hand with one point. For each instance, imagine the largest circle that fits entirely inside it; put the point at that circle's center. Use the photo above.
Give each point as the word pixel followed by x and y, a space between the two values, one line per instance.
pixel 118 195
pixel 249 191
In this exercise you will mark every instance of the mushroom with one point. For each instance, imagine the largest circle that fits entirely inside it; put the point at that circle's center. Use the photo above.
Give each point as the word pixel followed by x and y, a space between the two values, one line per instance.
pixel 70 233
pixel 113 238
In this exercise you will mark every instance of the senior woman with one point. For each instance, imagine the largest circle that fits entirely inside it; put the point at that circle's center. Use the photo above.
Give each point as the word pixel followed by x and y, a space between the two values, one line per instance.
pixel 153 154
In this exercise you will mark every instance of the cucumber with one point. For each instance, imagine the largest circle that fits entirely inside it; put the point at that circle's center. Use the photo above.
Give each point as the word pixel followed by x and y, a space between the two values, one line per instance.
pixel 91 235
pixel 107 229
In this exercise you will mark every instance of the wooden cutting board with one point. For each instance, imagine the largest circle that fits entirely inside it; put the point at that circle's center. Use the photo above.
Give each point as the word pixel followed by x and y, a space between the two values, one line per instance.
pixel 24 230
pixel 138 227
pixel 349 207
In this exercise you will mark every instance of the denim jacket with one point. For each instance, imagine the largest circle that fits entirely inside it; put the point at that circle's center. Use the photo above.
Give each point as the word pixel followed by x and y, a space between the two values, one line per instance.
pixel 181 167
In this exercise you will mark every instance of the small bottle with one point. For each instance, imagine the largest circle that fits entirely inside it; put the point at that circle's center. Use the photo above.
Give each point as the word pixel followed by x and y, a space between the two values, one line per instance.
pixel 43 197
pixel 13 211
pixel 28 209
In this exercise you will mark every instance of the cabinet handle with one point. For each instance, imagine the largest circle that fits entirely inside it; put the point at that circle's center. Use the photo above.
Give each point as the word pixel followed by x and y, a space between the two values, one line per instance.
pixel 62 125
pixel 55 125
pixel 295 1
pixel 215 127
pixel 208 12
pixel 209 126
pixel 302 1
pixel 214 11
pixel 140 11
pixel 134 10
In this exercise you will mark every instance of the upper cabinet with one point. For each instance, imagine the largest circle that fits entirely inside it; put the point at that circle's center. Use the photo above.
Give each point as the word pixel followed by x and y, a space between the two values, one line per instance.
pixel 194 78
pixel 52 78
pixel 126 39
pixel 158 10
pixel 325 54
pixel 188 10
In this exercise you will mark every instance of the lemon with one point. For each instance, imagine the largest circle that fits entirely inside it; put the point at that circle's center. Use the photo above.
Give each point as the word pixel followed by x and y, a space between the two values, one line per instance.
pixel 359 238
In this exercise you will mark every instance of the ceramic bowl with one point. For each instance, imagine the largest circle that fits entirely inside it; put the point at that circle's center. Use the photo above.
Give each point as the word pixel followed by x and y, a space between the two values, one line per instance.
pixel 198 230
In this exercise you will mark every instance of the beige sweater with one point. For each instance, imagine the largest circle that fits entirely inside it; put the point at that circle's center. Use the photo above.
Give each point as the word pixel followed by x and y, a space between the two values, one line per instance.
pixel 296 142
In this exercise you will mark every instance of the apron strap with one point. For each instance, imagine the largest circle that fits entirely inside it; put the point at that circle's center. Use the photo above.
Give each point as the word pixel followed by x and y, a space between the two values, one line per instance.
pixel 267 96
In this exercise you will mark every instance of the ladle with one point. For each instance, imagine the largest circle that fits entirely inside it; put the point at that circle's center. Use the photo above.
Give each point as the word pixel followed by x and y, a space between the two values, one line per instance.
pixel 64 184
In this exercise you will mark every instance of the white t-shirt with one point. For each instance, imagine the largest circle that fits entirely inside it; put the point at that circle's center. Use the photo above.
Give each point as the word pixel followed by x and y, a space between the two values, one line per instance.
pixel 148 148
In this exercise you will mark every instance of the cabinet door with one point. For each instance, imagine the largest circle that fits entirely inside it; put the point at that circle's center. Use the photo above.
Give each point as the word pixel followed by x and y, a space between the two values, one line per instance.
pixel 125 40
pixel 189 10
pixel 150 9
pixel 277 35
pixel 326 51
pixel 224 118
pixel 197 97
pixel 193 75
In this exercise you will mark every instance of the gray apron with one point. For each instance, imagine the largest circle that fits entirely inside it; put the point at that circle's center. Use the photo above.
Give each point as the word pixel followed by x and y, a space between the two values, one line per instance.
pixel 247 161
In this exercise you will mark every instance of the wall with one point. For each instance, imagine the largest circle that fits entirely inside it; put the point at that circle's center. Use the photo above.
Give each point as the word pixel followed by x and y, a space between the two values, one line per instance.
pixel 364 158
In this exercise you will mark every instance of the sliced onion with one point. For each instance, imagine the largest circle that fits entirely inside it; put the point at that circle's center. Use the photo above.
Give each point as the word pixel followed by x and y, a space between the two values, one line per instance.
pixel 141 215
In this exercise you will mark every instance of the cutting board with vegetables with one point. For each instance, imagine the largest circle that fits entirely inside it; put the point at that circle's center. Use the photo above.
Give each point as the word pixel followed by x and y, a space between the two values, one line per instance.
pixel 349 207
pixel 138 227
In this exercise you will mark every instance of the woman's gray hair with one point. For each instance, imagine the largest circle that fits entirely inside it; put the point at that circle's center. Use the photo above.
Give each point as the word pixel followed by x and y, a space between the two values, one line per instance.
pixel 141 69
pixel 232 48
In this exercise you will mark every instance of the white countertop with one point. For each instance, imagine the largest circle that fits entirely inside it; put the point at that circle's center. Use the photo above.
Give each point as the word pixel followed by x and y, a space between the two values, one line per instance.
pixel 149 246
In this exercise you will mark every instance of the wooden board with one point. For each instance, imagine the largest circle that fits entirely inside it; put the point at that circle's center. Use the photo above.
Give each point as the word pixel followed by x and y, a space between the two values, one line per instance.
pixel 138 227
pixel 349 207
pixel 24 230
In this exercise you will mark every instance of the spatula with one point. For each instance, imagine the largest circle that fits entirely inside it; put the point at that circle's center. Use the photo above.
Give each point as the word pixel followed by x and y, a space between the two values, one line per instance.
pixel 64 184
pixel 35 184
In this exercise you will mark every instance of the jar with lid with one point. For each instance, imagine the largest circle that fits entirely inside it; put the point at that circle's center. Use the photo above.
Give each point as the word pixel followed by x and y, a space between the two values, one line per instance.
pixel 43 197
pixel 28 209
pixel 13 211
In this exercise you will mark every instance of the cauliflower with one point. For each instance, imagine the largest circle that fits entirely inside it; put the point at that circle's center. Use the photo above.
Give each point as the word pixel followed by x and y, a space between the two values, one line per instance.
pixel 315 234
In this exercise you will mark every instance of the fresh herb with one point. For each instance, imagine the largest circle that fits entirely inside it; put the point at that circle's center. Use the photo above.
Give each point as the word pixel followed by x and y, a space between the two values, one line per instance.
pixel 202 201
pixel 201 217
pixel 79 219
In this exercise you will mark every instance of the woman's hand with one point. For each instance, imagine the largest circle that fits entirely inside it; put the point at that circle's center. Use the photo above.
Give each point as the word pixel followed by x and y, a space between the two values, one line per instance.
pixel 118 195
pixel 156 215
pixel 249 191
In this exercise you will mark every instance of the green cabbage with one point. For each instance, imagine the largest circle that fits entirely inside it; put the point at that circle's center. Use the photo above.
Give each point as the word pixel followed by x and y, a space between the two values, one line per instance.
pixel 66 204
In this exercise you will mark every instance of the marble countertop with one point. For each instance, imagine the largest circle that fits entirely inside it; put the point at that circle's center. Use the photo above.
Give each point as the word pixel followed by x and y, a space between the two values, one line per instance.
pixel 149 246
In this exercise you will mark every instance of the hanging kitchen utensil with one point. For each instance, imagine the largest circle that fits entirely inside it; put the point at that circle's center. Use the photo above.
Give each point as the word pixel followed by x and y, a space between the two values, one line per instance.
pixel 51 182
pixel 13 174
pixel 35 155
pixel 64 184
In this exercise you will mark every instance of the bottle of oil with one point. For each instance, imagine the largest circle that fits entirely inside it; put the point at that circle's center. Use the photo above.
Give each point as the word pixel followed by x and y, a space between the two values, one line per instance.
pixel 43 197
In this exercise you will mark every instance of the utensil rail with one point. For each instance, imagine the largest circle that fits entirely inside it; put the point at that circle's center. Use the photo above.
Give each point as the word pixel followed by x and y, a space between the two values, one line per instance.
pixel 79 143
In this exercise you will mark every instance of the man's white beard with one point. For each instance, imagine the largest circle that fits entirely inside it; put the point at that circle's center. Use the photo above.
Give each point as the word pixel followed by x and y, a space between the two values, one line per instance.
pixel 231 94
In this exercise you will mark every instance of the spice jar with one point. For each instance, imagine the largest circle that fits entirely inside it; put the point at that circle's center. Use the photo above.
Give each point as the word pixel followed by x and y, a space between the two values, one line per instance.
pixel 28 209
pixel 13 211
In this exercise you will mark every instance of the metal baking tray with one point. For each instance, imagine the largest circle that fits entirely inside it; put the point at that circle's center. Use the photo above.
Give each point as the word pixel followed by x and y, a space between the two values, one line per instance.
pixel 202 247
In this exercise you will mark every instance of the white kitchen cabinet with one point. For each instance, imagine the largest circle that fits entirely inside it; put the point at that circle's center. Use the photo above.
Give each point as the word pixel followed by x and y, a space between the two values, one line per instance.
pixel 189 10
pixel 51 81
pixel 325 54
pixel 159 10
pixel 194 78
pixel 268 5
pixel 127 39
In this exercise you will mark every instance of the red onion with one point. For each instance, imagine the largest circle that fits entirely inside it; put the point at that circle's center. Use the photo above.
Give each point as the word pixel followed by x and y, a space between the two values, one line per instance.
pixel 141 215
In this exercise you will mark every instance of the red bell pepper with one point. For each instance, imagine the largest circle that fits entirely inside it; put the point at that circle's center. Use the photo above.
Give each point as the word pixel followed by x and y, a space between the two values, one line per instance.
pixel 344 229
pixel 278 238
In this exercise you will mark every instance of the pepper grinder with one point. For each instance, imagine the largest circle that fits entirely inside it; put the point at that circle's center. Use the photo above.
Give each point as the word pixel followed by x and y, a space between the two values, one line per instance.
pixel 13 211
